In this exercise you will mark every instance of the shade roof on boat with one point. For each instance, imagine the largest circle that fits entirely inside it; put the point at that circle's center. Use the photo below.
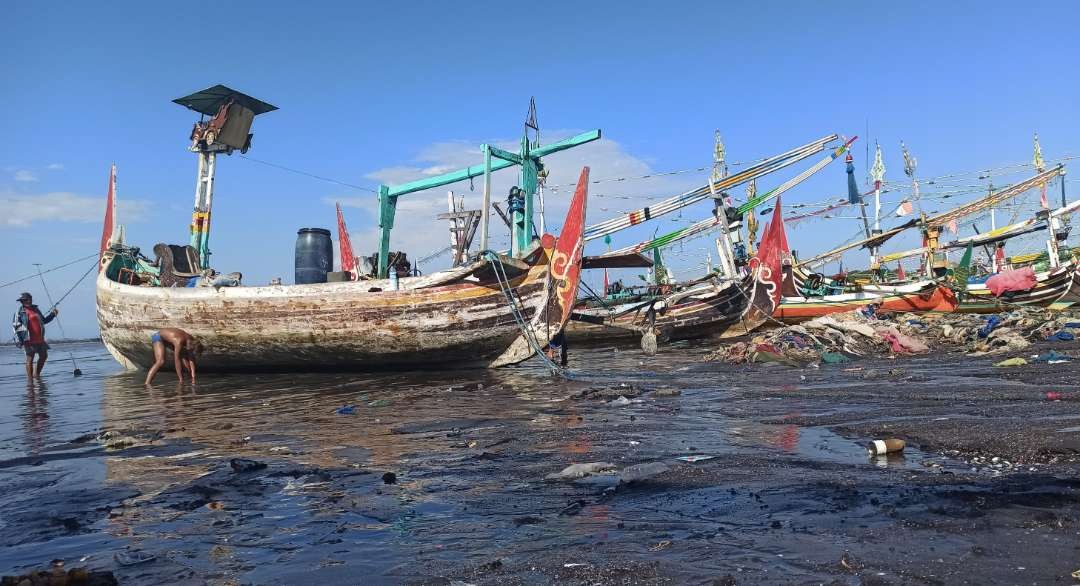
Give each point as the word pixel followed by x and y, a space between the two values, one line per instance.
pixel 209 100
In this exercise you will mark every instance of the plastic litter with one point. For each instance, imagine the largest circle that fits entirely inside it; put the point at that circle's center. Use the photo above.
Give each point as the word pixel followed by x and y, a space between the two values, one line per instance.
pixel 1052 357
pixel 992 322
pixel 575 471
pixel 620 402
pixel 1012 362
pixel 131 558
pixel 834 358
pixel 886 446
pixel 346 410
pixel 1062 336
pixel 642 471
pixel 695 458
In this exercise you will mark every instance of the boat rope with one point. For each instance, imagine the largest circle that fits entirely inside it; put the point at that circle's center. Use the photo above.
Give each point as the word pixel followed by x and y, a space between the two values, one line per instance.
pixel 513 302
pixel 47 271
pixel 691 197
pixel 312 175
pixel 64 296
pixel 48 295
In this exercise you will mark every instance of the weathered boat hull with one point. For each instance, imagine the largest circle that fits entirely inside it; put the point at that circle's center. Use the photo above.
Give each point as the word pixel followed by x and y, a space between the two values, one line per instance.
pixel 338 325
pixel 495 312
pixel 1058 288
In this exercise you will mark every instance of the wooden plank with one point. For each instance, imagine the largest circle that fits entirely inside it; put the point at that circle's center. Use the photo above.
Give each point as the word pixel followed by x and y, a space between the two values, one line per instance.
pixel 620 261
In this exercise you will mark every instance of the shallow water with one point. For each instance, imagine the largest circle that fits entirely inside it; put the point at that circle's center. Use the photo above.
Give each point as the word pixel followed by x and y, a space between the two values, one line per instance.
pixel 95 465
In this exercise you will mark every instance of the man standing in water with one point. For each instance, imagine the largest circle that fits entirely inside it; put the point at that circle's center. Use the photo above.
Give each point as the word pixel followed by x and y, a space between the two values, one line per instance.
pixel 29 324
pixel 184 347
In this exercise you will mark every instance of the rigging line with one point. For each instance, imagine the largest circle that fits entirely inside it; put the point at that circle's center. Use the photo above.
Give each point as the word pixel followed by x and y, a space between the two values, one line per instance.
pixel 64 296
pixel 306 174
pixel 47 271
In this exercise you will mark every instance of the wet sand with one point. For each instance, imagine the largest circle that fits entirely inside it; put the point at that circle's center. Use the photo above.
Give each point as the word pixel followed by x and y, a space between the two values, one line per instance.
pixel 439 478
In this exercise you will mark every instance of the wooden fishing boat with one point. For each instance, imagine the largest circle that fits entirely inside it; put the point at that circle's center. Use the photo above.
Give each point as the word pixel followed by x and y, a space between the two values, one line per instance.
pixel 492 312
pixel 1058 288
pixel 720 309
pixel 914 297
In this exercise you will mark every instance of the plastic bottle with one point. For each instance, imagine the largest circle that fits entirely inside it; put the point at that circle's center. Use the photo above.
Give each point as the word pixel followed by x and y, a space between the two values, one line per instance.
pixel 885 446
pixel 393 279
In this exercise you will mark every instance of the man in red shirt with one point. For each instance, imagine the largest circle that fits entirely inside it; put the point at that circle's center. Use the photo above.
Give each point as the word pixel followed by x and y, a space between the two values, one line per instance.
pixel 29 327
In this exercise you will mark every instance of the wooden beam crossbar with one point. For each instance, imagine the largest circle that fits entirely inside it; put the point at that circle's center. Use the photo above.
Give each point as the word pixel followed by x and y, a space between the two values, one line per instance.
pixel 528 159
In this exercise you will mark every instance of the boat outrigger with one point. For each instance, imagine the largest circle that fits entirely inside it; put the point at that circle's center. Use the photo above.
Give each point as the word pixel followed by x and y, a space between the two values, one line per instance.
pixel 495 310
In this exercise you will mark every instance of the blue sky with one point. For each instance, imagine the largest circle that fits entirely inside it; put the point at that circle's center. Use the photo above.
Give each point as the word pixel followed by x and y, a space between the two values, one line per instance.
pixel 391 91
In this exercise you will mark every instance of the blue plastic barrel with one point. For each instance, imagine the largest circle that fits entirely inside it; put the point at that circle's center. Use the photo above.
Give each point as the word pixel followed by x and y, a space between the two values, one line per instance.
pixel 314 255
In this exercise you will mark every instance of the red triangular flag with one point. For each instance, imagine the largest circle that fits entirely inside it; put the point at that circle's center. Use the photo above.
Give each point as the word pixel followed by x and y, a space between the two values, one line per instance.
pixel 348 261
pixel 110 208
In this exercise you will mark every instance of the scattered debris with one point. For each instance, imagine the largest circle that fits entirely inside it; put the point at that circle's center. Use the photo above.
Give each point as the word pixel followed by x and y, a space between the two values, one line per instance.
pixel 642 471
pixel 575 471
pixel 132 558
pixel 695 458
pixel 886 446
pixel 241 465
pixel 836 338
pixel 661 546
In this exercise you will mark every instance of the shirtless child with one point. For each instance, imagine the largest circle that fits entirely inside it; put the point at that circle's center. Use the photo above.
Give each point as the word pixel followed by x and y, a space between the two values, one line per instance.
pixel 184 347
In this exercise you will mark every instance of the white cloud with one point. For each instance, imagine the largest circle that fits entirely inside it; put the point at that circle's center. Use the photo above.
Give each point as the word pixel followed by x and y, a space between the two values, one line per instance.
pixel 25 175
pixel 417 231
pixel 55 166
pixel 22 210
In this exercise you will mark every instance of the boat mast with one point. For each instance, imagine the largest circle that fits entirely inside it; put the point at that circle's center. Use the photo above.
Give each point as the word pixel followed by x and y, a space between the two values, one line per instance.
pixel 231 114
pixel 724 247
pixel 1053 224
pixel 494 159
pixel 877 173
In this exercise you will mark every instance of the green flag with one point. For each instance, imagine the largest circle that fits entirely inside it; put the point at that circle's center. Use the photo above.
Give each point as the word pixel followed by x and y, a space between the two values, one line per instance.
pixel 963 269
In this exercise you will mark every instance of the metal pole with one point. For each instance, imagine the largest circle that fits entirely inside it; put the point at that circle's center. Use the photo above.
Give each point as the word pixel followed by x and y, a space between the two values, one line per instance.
pixel 485 209
pixel 721 210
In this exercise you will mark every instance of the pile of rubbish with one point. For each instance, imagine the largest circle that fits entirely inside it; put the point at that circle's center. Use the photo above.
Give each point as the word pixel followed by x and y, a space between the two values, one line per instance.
pixel 839 337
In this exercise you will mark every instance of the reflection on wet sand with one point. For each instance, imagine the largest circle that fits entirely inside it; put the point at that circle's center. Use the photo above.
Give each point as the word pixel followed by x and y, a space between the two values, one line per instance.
pixel 441 476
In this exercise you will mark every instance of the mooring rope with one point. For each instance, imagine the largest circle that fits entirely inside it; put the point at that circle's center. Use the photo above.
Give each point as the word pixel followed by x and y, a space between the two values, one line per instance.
pixel 507 290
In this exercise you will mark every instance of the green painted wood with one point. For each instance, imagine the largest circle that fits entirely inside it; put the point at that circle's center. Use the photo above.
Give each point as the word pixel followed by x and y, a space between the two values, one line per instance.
pixel 522 223
pixel 505 155
pixel 446 179
pixel 387 209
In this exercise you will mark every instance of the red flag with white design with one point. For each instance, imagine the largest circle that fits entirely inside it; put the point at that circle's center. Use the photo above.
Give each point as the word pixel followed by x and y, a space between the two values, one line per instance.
pixel 108 228
pixel 348 261
pixel 904 208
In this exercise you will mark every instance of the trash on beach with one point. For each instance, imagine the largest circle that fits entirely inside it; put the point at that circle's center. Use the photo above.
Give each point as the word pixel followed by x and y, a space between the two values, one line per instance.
pixel 834 358
pixel 346 410
pixel 132 558
pixel 1051 357
pixel 1062 336
pixel 240 465
pixel 575 471
pixel 886 446
pixel 620 402
pixel 642 471
pixel 695 458
pixel 661 546
pixel 1012 362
